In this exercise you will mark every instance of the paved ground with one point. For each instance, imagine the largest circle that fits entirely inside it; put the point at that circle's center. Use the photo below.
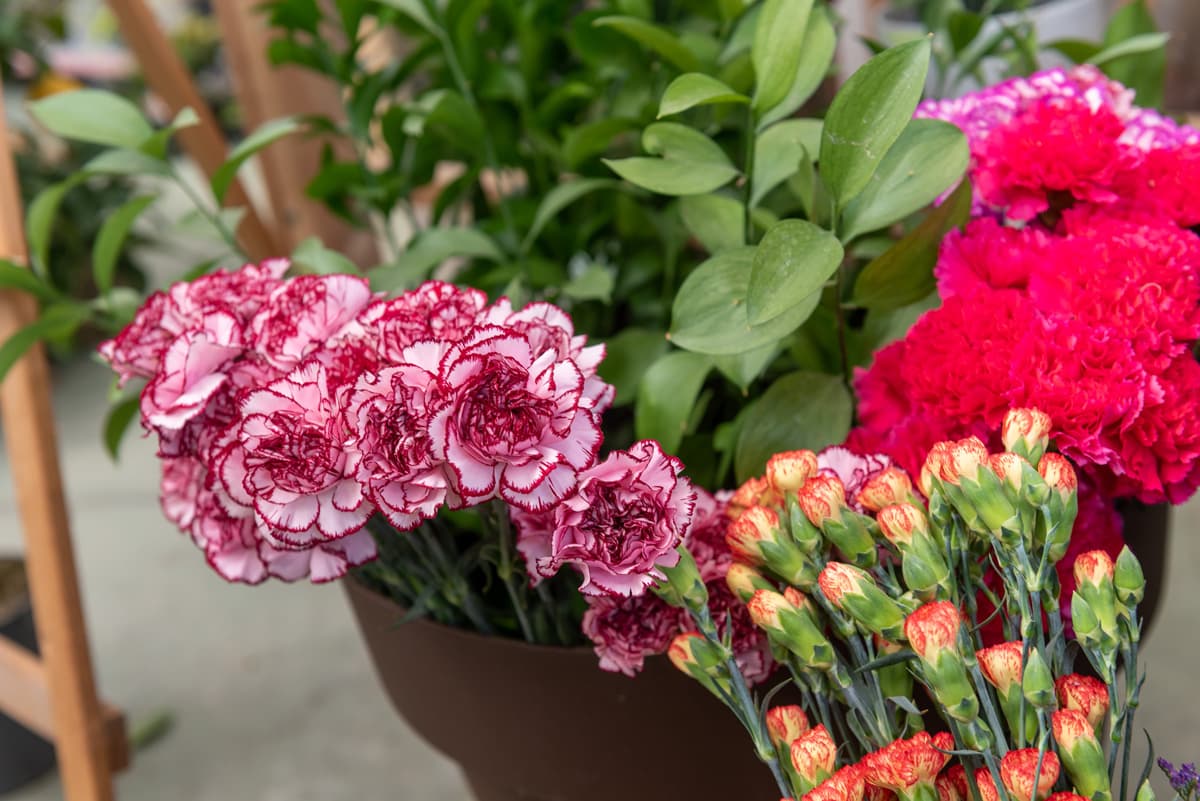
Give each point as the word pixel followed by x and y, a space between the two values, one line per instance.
pixel 271 690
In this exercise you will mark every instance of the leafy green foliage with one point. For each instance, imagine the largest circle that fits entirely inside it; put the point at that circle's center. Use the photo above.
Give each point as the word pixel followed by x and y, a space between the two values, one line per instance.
pixel 774 53
pixel 666 397
pixel 799 410
pixel 90 115
pixel 792 263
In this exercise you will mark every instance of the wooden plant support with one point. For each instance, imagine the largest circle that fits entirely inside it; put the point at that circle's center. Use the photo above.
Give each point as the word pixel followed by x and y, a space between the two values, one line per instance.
pixel 54 695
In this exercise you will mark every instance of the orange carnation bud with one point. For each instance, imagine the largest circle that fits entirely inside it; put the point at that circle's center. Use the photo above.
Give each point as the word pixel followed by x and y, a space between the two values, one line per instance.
pixel 846 785
pixel 901 522
pixel 756 524
pixel 1001 665
pixel 787 471
pixel 933 628
pixel 786 723
pixel 987 785
pixel 887 487
pixel 1026 432
pixel 903 764
pixel 753 492
pixel 1059 474
pixel 952 784
pixel 822 498
pixel 1084 694
pixel 744 581
pixel 1018 769
pixel 814 755
pixel 1093 567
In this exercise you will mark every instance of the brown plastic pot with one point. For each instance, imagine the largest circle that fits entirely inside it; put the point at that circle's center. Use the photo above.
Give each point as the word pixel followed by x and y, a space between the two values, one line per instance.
pixel 538 723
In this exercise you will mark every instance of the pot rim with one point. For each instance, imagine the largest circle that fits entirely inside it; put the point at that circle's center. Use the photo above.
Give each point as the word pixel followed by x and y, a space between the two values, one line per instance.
pixel 359 589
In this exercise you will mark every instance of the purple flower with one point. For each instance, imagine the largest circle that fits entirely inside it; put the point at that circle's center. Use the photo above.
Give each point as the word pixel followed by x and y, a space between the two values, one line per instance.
pixel 1184 780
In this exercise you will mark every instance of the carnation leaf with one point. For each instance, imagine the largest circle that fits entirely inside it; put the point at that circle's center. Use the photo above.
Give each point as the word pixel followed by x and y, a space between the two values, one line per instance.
pixel 928 158
pixel 793 261
pixel 775 51
pixel 59 320
pixel 111 239
pixel 14 276
pixel 800 410
pixel 816 56
pixel 39 222
pixel 666 396
pixel 671 177
pixel 904 273
pixel 266 134
pixel 868 115
pixel 743 368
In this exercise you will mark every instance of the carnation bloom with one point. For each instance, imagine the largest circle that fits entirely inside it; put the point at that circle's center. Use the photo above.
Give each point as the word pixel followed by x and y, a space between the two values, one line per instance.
pixel 903 764
pixel 847 784
pixel 1019 768
pixel 627 630
pixel 1001 665
pixel 434 312
pixel 952 784
pixel 785 723
pixel 933 628
pixel 1083 694
pixel 515 423
pixel 625 520
pixel 852 469
pixel 989 255
pixel 289 461
pixel 192 370
pixel 303 314
pixel 813 754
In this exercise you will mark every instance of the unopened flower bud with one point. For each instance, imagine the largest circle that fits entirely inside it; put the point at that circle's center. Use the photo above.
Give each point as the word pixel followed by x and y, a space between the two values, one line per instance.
pixel 1128 579
pixel 744 581
pixel 933 631
pixel 901 522
pixel 1037 684
pixel 1094 568
pixel 788 624
pixel 1026 432
pixel 1081 753
pixel 1085 623
pixel 1144 793
pixel 745 535
pixel 965 458
pixel 787 471
pixel 786 723
pixel 986 785
pixel 1009 468
pixel 822 498
pixel 932 468
pixel 1083 694
pixel 813 756
pixel 1001 665
pixel 887 487
pixel 1021 777
pixel 855 592
pixel 693 654
pixel 1059 474
pixel 1094 580
pixel 753 492
pixel 799 600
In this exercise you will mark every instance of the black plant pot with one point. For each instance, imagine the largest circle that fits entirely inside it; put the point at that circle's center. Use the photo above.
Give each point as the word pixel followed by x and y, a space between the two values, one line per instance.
pixel 24 756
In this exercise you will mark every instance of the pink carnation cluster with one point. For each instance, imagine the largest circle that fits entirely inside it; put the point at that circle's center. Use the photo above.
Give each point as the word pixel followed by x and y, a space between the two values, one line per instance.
pixel 1088 308
pixel 289 411
pixel 625 630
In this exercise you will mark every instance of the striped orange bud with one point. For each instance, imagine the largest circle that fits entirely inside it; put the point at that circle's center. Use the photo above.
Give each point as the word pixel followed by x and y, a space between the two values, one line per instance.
pixel 744 581
pixel 757 523
pixel 1018 769
pixel 1059 474
pixel 1093 567
pixel 1084 694
pixel 1026 432
pixel 887 487
pixel 1070 726
pixel 903 764
pixel 753 492
pixel 786 723
pixel 682 652
pixel 952 784
pixel 933 628
pixel 900 522
pixel 814 755
pixel 787 471
pixel 846 785
pixel 822 498
pixel 1001 665
pixel 986 785
pixel 1008 467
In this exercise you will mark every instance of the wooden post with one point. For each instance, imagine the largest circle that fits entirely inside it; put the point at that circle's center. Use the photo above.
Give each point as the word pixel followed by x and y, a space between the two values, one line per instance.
pixel 65 670
pixel 168 77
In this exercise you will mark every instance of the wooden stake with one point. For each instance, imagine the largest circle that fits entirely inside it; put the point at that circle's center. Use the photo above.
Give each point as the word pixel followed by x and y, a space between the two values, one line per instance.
pixel 66 665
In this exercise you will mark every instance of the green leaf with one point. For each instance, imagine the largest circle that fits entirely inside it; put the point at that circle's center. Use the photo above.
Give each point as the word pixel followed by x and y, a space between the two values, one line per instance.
pixel 743 368
pixel 904 273
pixel 117 423
pixel 1077 50
pixel 963 27
pixel 816 56
pixel 92 115
pixel 654 38
pixel 868 115
pixel 696 89
pixel 1146 73
pixel 266 134
pixel 666 396
pixel 432 247
pixel 126 162
pixel 675 141
pixel 799 411
pixel 313 256
pixel 592 139
pixel 558 199
pixel 928 158
pixel 596 282
pixel 111 239
pixel 449 115
pixel 716 220
pixel 775 52
pixel 22 279
pixel 779 151
pixel 691 163
pixel 39 222
pixel 709 313
pixel 56 321
pixel 416 11
pixel 793 261
pixel 1135 45
pixel 156 145
pixel 742 37
pixel 627 356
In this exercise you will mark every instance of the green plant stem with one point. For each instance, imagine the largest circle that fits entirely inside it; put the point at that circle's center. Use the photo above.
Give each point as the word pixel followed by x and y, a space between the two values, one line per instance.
pixel 748 189
pixel 984 690
pixel 213 217
pixel 1132 689
pixel 506 569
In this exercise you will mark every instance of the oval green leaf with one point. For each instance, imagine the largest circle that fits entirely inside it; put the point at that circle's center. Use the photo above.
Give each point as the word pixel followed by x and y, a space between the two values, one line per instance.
pixel 868 115
pixel 717 221
pixel 779 152
pixel 793 261
pixel 709 313
pixel 266 134
pixel 22 279
pixel 673 177
pixel 816 56
pixel 111 239
pixel 666 396
pixel 117 423
pixel 928 158
pixel 776 52
pixel 92 115
pixel 696 89
pixel 799 411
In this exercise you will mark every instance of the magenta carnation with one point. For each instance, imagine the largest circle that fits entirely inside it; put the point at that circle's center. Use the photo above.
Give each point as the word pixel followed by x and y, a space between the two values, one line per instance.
pixel 625 520
pixel 515 423
pixel 988 255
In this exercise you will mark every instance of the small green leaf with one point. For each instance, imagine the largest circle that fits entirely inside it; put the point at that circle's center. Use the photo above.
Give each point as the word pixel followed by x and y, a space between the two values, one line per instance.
pixel 654 38
pixel 963 27
pixel 868 115
pixel 592 139
pixel 670 177
pixel 430 248
pixel 60 320
pixel 1077 50
pixel 928 158
pixel 666 396
pixel 793 261
pixel 816 56
pixel 709 313
pixel 904 273
pixel 311 255
pixel 92 115
pixel 558 199
pixel 1135 45
pixel 776 51
pixel 22 279
pixel 779 151
pixel 696 89
pixel 265 135
pixel 111 239
pixel 596 282
pixel 743 368
pixel 1145 73
pixel 799 411
pixel 416 11
pixel 156 145
pixel 126 162
pixel 715 220
pixel 117 423
pixel 39 222
pixel 672 140
pixel 627 356
pixel 742 37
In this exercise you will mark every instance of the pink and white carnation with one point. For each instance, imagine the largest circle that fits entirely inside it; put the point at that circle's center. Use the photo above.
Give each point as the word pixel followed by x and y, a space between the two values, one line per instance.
pixel 435 312
pixel 626 630
pixel 300 316
pixel 623 523
pixel 289 462
pixel 515 424
pixel 191 372
pixel 852 469
pixel 391 452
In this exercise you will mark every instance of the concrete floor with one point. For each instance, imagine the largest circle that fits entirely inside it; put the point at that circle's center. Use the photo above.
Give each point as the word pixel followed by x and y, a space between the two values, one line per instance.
pixel 270 687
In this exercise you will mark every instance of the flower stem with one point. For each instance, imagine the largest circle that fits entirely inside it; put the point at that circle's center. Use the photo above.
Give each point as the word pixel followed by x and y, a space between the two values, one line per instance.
pixel 505 569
